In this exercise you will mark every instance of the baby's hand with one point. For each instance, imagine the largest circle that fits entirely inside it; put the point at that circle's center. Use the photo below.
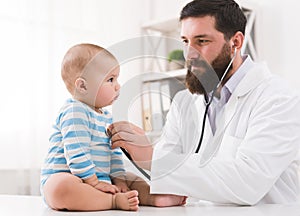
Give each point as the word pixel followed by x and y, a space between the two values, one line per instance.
pixel 106 187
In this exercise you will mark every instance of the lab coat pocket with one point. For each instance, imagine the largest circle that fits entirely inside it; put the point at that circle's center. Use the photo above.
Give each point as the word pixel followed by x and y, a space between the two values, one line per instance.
pixel 229 146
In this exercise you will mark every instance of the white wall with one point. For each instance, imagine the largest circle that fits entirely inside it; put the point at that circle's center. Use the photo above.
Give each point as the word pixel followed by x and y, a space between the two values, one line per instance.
pixel 278 37
pixel 166 8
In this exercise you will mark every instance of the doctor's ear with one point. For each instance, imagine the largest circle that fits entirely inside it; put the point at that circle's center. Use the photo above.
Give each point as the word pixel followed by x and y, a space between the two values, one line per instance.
pixel 237 41
pixel 81 85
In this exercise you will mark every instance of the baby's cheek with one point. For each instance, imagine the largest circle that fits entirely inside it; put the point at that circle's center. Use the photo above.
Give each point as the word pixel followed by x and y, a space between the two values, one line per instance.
pixel 105 96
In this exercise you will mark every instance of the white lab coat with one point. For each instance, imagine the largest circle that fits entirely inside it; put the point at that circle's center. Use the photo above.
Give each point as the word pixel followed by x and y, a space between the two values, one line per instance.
pixel 255 149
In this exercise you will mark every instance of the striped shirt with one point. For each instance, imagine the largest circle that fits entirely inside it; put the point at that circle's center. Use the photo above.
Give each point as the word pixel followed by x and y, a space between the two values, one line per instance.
pixel 79 145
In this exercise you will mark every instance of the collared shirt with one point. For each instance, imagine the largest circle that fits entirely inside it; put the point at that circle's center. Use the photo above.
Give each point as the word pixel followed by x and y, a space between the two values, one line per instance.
pixel 217 106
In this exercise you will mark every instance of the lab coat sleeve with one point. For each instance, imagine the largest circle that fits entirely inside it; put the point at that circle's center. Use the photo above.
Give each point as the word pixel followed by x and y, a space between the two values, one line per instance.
pixel 172 130
pixel 269 147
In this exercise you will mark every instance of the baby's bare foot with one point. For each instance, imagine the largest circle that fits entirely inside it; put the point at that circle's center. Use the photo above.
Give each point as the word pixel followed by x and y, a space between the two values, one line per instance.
pixel 126 201
pixel 165 200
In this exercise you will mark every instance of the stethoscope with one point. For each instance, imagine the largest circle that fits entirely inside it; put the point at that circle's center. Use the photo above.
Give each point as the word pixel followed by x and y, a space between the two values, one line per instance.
pixel 208 101
pixel 141 170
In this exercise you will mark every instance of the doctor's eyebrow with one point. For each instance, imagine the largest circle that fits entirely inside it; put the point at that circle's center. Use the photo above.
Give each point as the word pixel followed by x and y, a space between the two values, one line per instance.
pixel 197 36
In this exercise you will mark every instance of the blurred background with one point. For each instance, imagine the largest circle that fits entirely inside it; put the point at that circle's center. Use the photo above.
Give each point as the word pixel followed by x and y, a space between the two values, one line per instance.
pixel 35 35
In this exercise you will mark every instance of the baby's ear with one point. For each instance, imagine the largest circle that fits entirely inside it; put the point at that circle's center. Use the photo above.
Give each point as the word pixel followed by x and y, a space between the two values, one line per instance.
pixel 81 85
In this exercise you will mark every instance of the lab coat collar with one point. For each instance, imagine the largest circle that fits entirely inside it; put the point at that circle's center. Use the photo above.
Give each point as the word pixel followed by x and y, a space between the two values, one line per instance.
pixel 255 76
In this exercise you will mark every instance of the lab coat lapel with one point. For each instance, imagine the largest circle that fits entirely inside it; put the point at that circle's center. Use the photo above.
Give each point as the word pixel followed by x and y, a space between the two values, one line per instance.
pixel 195 115
pixel 253 78
pixel 229 111
pixel 214 142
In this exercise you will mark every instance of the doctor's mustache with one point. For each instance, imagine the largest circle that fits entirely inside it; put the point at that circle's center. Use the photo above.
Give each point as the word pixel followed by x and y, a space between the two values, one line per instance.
pixel 201 78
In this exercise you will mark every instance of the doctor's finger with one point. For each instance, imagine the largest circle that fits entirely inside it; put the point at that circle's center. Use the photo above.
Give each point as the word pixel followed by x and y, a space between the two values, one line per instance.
pixel 140 140
pixel 125 126
pixel 123 135
pixel 119 143
pixel 114 129
pixel 119 125
pixel 135 139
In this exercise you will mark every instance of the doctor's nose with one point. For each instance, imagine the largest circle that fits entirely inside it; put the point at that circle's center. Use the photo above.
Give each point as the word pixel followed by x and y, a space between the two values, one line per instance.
pixel 191 53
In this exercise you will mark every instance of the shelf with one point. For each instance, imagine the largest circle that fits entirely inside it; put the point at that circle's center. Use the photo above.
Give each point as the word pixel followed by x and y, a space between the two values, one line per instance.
pixel 159 84
pixel 158 76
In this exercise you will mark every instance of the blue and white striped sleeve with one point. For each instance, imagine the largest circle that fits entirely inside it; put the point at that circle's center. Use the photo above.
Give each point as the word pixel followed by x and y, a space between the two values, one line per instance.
pixel 117 165
pixel 76 137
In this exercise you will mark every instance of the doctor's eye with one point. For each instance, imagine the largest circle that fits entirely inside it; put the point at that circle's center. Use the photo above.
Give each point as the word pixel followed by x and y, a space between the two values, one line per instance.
pixel 202 42
pixel 185 41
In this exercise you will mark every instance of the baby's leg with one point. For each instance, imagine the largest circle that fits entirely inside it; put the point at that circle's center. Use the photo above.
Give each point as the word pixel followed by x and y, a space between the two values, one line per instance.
pixel 64 191
pixel 147 199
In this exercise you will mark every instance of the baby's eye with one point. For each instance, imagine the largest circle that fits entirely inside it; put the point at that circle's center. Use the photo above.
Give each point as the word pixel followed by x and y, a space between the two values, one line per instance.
pixel 110 80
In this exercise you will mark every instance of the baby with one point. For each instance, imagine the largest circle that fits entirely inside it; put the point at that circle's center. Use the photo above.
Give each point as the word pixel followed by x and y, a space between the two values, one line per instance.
pixel 80 165
pixel 81 172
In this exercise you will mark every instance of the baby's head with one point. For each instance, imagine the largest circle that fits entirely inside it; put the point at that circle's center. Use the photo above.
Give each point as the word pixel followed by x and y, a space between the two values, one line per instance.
pixel 90 74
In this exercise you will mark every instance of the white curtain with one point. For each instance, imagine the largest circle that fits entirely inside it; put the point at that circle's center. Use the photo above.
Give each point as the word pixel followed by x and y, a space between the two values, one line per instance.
pixel 24 94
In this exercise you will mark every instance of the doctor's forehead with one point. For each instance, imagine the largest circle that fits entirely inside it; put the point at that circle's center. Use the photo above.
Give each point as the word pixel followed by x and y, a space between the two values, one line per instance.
pixel 198 26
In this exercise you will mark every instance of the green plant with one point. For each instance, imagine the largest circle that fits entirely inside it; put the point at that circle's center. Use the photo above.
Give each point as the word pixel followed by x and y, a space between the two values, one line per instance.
pixel 176 55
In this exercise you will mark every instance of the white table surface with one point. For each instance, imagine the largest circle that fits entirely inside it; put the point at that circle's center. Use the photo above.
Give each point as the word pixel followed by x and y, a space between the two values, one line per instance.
pixel 33 205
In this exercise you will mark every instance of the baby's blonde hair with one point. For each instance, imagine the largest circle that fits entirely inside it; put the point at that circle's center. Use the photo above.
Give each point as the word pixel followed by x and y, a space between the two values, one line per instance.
pixel 75 61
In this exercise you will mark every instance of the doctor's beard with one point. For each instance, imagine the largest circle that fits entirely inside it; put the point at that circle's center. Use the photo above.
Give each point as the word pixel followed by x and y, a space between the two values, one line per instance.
pixel 204 81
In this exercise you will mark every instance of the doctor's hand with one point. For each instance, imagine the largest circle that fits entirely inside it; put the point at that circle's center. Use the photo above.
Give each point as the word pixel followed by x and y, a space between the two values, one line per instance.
pixel 133 139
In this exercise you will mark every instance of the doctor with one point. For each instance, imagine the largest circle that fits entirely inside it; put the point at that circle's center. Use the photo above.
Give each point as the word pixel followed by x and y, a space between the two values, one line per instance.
pixel 250 148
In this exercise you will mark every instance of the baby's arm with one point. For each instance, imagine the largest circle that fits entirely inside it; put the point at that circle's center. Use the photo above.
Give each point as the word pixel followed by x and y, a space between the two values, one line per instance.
pixel 100 185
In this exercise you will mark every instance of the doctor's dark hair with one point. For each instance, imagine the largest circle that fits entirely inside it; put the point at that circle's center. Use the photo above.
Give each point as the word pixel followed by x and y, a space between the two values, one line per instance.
pixel 227 13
